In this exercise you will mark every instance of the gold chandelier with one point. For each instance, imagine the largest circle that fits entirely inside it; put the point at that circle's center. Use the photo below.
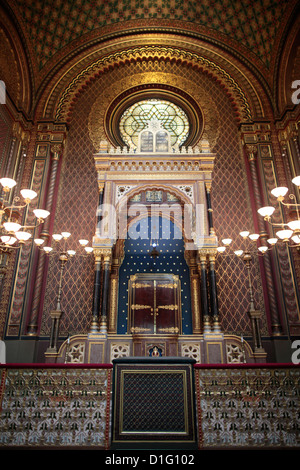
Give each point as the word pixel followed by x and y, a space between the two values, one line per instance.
pixel 288 233
pixel 13 235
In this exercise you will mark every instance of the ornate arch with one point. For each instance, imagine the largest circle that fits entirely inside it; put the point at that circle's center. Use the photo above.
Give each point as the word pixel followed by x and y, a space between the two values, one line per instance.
pixel 176 191
pixel 153 55
pixel 98 120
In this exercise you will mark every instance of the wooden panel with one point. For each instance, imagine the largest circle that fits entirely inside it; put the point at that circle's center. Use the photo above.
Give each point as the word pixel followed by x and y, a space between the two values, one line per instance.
pixel 154 304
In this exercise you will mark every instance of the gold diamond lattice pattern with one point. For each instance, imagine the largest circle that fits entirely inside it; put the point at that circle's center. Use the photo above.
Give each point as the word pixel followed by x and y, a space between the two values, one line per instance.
pixel 136 118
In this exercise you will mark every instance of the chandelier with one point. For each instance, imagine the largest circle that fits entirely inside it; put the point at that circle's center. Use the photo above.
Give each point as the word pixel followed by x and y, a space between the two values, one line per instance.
pixel 286 231
pixel 13 235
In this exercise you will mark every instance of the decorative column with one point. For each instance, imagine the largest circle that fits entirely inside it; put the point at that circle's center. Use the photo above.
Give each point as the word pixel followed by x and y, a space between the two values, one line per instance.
pixel 209 209
pixel 254 315
pixel 57 313
pixel 270 282
pixel 203 289
pixel 105 291
pixel 214 310
pixel 97 293
pixel 32 326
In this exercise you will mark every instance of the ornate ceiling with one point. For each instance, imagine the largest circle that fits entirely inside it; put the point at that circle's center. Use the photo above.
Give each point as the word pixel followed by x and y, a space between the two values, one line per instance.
pixel 52 26
pixel 66 43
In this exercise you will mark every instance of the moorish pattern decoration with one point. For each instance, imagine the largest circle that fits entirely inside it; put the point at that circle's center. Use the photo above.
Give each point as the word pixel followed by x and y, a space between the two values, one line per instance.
pixel 52 29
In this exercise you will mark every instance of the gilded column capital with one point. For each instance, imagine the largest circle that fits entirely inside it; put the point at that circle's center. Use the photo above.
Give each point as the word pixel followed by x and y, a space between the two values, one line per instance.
pixel 104 254
pixel 251 151
pixel 56 150
pixel 209 253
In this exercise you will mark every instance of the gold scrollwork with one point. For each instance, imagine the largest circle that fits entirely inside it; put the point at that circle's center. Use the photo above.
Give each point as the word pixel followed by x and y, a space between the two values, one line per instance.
pixel 168 330
pixel 139 330
pixel 139 307
pixel 168 307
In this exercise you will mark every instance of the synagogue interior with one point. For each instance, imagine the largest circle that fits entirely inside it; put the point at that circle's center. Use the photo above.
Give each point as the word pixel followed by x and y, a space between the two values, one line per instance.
pixel 150 181
pixel 165 126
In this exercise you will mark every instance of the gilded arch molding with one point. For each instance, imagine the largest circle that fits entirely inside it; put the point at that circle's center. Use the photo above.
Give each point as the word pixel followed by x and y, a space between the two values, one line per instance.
pixel 155 54
pixel 182 198
pixel 209 109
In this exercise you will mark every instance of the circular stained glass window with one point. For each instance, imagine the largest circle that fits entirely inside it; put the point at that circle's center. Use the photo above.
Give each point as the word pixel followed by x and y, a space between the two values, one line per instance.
pixel 137 117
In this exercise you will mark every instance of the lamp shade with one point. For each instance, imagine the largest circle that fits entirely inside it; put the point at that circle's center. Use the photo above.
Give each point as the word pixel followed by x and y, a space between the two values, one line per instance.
pixel 28 194
pixel 57 237
pixel 280 191
pixel 41 213
pixel 296 239
pixel 66 234
pixel 294 225
pixel 284 234
pixel 263 249
pixel 254 236
pixel 244 234
pixel 296 180
pixel 23 236
pixel 39 241
pixel 266 211
pixel 8 183
pixel 221 249
pixel 11 241
pixel 83 242
pixel 89 249
pixel 272 241
pixel 47 249
pixel 227 241
pixel 7 239
pixel 11 226
pixel 71 252
pixel 238 252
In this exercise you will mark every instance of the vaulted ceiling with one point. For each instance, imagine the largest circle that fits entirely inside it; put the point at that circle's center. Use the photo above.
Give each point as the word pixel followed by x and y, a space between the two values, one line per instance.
pixel 47 44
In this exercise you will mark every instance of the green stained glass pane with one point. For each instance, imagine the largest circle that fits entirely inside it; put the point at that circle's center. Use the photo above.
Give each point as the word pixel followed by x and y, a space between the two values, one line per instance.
pixel 136 118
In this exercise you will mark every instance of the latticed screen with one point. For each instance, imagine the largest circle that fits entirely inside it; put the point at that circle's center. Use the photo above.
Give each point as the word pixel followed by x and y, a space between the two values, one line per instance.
pixel 136 118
